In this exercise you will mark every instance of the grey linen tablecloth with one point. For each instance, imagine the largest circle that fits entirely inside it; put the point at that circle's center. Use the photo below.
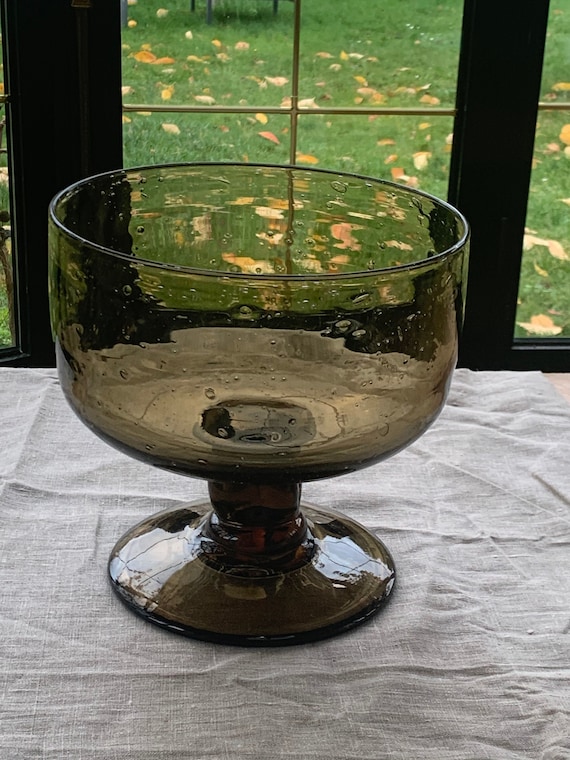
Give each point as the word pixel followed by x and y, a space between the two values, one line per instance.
pixel 470 659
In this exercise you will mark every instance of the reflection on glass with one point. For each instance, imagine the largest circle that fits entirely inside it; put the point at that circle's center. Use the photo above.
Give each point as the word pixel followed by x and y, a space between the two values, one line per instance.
pixel 544 289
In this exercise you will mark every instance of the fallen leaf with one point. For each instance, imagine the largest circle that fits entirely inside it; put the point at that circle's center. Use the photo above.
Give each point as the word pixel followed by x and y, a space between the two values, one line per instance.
pixel 539 270
pixel 224 57
pixel 361 80
pixel 166 92
pixel 561 86
pixel 207 100
pixel 541 324
pixel 391 158
pixel 335 67
pixel 307 103
pixel 554 247
pixel 421 159
pixel 277 81
pixel 565 134
pixel 127 90
pixel 305 158
pixel 424 125
pixel 241 45
pixel 269 136
pixel 343 56
pixel 144 56
pixel 188 35
pixel 195 59
pixel 171 129
pixel 429 100
pixel 217 43
pixel 323 54
pixel 131 23
pixel 386 141
pixel 261 118
pixel 162 13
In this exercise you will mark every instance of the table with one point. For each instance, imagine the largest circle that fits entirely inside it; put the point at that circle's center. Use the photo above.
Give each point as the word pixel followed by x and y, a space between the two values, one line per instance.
pixel 469 660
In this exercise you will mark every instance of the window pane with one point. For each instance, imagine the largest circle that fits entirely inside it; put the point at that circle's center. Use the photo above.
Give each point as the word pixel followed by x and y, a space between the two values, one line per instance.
pixel 172 56
pixel 7 317
pixel 544 289
pixel 177 137
pixel 380 53
pixel 412 150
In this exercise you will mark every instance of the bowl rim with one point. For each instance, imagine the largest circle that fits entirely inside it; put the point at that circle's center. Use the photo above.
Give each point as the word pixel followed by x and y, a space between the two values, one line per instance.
pixel 460 245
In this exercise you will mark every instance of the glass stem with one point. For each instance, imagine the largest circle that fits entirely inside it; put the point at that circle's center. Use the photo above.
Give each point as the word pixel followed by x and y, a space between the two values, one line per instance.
pixel 259 523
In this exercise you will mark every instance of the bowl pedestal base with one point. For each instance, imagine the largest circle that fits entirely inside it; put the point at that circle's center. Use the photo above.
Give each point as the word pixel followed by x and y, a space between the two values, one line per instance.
pixel 305 575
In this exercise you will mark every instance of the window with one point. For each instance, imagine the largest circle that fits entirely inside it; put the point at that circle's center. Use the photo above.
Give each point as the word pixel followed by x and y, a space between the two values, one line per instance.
pixel 63 84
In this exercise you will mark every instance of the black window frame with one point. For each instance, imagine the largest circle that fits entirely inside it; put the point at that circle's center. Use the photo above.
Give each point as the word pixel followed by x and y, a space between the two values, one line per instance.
pixel 64 123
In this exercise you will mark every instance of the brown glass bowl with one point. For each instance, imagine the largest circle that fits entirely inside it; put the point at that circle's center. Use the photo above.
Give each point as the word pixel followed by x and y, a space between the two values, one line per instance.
pixel 258 327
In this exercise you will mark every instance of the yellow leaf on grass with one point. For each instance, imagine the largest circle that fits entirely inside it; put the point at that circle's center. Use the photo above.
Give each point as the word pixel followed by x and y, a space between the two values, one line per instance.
pixel 162 13
pixel 429 100
pixel 391 158
pixel 561 86
pixel 361 80
pixel 539 270
pixel 144 56
pixel 323 54
pixel 307 103
pixel 305 158
pixel 126 89
pixel 241 45
pixel 424 125
pixel 216 43
pixel 343 56
pixel 565 134
pixel 421 159
pixel 195 59
pixel 166 92
pixel 541 324
pixel 171 129
pixel 206 100
pixel 386 141
pixel 261 118
pixel 269 136
pixel 555 248
pixel 277 81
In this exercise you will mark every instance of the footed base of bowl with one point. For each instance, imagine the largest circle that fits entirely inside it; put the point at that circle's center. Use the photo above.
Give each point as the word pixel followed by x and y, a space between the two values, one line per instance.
pixel 165 570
